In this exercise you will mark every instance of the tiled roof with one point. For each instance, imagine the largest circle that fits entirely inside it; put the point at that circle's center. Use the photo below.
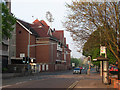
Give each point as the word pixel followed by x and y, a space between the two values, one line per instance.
pixel 44 23
pixel 27 25
pixel 43 30
pixel 59 35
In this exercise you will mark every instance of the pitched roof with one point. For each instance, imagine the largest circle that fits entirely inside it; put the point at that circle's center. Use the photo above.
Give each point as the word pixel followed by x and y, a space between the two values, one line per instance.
pixel 44 23
pixel 59 35
pixel 43 30
pixel 27 25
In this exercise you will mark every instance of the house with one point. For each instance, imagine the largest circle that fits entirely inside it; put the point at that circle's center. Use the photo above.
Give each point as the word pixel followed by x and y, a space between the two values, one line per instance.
pixel 25 35
pixel 63 51
pixel 41 47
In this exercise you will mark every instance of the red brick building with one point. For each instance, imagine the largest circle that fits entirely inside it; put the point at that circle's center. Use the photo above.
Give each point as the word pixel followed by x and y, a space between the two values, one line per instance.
pixel 43 45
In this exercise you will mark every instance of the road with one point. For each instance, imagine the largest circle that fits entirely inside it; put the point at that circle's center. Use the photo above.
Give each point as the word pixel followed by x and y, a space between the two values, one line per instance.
pixel 50 80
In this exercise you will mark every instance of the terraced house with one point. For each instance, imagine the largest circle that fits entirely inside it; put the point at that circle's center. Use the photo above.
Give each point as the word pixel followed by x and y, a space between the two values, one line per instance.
pixel 41 47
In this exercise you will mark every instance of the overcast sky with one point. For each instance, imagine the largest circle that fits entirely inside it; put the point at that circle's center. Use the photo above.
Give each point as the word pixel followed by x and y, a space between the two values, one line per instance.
pixel 25 9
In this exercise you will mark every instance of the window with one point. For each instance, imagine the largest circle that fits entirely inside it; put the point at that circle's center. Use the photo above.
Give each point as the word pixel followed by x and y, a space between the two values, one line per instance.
pixel 46 67
pixel 57 54
pixel 43 67
pixel 20 32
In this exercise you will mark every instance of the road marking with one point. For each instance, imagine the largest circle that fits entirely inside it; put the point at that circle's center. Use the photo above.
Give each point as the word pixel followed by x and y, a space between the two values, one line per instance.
pixel 13 84
pixel 5 86
pixel 73 85
pixel 21 82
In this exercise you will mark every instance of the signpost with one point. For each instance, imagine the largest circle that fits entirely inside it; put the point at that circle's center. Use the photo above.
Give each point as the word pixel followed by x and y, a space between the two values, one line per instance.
pixel 104 64
pixel 73 64
pixel 102 49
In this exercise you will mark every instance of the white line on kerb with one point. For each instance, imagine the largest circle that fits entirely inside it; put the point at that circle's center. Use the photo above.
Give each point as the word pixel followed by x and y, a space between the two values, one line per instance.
pixel 73 85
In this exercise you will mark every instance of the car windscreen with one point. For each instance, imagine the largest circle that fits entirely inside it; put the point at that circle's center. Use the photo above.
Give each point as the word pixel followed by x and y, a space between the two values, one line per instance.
pixel 77 69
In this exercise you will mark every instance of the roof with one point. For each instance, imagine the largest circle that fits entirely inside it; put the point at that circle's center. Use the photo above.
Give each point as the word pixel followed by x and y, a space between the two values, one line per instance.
pixel 59 34
pixel 27 25
pixel 43 30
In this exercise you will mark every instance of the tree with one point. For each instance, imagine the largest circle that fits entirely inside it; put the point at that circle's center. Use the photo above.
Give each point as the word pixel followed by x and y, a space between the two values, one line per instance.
pixel 77 62
pixel 92 47
pixel 8 20
pixel 86 17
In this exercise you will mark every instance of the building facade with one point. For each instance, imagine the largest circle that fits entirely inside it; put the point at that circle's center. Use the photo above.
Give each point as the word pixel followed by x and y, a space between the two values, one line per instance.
pixel 46 48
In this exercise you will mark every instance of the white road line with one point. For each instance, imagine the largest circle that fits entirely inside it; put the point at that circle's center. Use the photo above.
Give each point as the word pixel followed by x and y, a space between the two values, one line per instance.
pixel 5 86
pixel 21 82
pixel 12 84
pixel 73 85
pixel 18 83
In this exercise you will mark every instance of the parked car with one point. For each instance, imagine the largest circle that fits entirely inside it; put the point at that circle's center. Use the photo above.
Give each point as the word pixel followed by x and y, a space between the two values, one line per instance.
pixel 77 71
pixel 113 70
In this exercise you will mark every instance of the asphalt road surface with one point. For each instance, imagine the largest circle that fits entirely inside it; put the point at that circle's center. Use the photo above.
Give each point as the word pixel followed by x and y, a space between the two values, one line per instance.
pixel 65 79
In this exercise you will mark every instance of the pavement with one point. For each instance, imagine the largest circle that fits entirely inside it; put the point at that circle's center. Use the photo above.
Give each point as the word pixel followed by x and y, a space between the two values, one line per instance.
pixel 93 82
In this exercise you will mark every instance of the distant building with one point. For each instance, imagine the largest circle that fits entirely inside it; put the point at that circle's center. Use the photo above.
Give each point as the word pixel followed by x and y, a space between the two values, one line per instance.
pixel 4 48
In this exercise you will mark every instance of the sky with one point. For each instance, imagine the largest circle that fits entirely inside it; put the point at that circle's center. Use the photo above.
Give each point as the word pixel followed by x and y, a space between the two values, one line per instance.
pixel 29 10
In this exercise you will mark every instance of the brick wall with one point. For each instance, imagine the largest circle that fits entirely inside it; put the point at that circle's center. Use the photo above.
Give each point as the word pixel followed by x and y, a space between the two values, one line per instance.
pixel 22 37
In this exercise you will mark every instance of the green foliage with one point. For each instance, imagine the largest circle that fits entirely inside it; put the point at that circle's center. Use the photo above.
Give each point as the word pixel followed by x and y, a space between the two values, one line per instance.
pixel 77 62
pixel 92 47
pixel 8 21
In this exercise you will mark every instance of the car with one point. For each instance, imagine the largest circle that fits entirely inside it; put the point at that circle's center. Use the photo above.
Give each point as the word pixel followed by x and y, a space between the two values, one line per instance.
pixel 77 71
pixel 113 70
